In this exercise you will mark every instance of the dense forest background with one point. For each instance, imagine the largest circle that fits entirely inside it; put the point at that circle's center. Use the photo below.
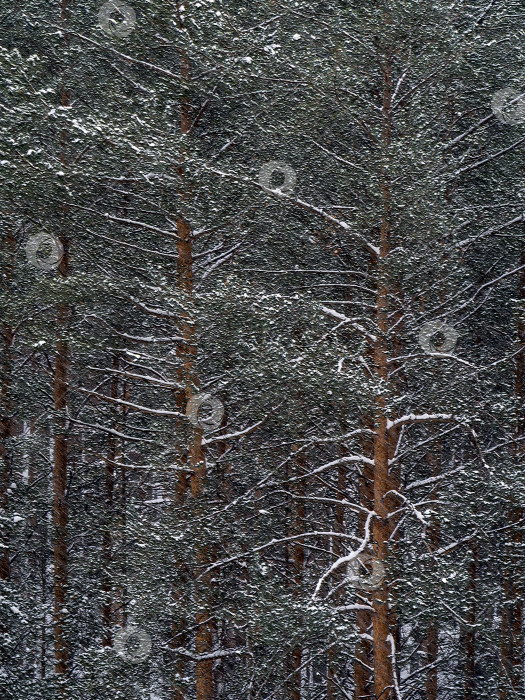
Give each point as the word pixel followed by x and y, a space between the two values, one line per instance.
pixel 262 322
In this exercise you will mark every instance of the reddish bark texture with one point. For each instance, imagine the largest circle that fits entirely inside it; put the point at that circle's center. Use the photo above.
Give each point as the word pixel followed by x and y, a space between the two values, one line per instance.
pixel 196 460
pixel 60 456
pixel 385 440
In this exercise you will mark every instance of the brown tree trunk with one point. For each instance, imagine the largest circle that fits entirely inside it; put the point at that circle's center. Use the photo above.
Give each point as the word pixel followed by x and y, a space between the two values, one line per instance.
pixel 383 623
pixel 384 444
pixel 120 614
pixel 196 459
pixel 60 511
pixel 186 353
pixel 431 681
pixel 60 463
pixel 60 457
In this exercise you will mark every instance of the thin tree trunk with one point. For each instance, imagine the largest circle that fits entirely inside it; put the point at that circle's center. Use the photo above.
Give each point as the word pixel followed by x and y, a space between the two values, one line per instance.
pixel 196 459
pixel 186 352
pixel 383 678
pixel 384 440
pixel 122 596
pixel 60 456
pixel 60 511
pixel 60 470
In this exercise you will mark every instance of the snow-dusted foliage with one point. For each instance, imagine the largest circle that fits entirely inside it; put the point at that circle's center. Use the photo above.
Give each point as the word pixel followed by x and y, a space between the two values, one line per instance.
pixel 262 350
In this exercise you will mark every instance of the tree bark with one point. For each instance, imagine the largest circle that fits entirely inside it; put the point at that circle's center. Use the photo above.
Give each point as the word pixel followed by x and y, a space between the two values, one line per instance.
pixel 196 459
pixel 384 442
pixel 60 511
pixel 60 456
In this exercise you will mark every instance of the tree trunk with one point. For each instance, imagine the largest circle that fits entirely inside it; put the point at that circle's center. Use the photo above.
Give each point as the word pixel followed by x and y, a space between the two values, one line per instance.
pixel 60 511
pixel 384 442
pixel 196 459
pixel 60 456
pixel 383 627
pixel 120 615
pixel 60 471
pixel 196 462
